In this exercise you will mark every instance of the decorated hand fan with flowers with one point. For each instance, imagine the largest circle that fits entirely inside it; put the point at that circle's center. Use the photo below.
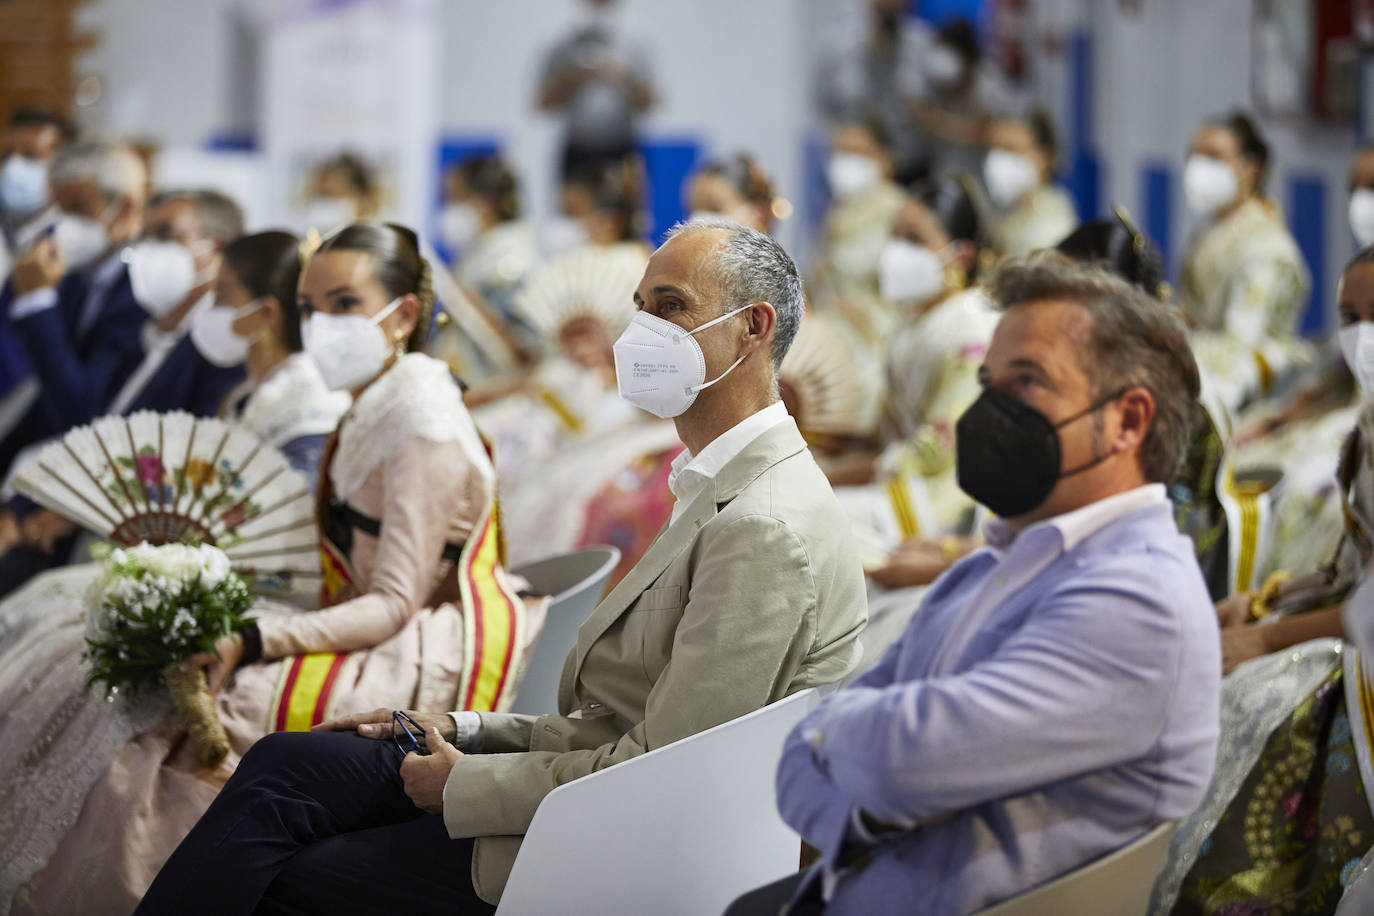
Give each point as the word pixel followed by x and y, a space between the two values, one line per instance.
pixel 173 477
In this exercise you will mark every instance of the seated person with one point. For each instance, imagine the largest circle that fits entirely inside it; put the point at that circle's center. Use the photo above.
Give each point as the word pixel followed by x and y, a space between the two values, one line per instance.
pixel 736 188
pixel 1019 172
pixel 1049 702
pixel 751 592
pixel 69 302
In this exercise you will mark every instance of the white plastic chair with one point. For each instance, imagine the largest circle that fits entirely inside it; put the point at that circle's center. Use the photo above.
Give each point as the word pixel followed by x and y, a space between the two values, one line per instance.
pixel 680 831
pixel 574 582
pixel 1119 883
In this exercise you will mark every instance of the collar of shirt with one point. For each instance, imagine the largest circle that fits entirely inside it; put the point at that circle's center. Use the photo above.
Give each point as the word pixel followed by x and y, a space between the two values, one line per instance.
pixel 689 473
pixel 1074 526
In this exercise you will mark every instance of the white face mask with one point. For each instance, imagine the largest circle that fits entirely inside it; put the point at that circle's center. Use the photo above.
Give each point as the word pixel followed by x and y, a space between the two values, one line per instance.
pixel 1009 177
pixel 347 349
pixel 162 274
pixel 23 185
pixel 1208 185
pixel 943 66
pixel 1362 216
pixel 908 272
pixel 459 224
pixel 1357 346
pixel 659 366
pixel 850 173
pixel 213 333
pixel 80 240
pixel 325 214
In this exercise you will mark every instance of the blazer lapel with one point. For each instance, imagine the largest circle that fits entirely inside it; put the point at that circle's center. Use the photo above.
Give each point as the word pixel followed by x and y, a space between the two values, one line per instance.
pixel 672 540
pixel 780 442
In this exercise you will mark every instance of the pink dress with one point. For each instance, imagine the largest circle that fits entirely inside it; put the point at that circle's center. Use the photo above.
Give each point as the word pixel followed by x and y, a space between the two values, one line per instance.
pixel 102 792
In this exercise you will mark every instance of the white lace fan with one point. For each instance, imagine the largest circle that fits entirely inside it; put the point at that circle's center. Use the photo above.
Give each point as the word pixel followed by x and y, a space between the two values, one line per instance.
pixel 595 281
pixel 162 478
pixel 820 379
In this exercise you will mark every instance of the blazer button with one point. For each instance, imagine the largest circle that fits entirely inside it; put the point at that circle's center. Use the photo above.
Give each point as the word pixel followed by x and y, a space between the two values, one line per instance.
pixel 593 705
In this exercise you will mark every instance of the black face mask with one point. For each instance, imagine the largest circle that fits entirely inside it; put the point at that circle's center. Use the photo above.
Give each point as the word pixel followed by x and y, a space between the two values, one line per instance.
pixel 1008 452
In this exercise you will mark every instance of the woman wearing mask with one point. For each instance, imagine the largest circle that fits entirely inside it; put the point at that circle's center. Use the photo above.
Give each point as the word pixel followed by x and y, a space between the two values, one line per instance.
pixel 736 189
pixel 1032 212
pixel 256 322
pixel 905 503
pixel 864 202
pixel 343 189
pixel 1243 277
pixel 1288 818
pixel 408 534
pixel 482 228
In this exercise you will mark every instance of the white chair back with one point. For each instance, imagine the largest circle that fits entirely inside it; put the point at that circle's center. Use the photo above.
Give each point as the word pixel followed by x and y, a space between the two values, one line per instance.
pixel 679 831
pixel 574 582
pixel 1118 883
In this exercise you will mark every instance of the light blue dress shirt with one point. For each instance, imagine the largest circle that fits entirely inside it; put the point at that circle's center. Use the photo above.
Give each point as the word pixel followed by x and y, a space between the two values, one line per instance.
pixel 1055 696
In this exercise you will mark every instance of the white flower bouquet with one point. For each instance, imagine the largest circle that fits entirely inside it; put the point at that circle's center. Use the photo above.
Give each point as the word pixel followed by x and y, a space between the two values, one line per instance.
pixel 151 609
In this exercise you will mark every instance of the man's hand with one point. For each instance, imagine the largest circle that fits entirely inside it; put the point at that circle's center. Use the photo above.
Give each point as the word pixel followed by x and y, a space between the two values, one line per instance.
pixel 377 724
pixel 424 777
pixel 41 266
pixel 230 649
pixel 917 561
pixel 43 529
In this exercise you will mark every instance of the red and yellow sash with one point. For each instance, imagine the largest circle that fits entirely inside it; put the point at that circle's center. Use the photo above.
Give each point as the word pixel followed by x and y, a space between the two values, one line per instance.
pixel 493 624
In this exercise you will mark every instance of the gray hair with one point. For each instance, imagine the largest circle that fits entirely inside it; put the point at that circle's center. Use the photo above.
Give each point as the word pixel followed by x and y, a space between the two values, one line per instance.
pixel 1136 340
pixel 221 220
pixel 752 267
pixel 115 169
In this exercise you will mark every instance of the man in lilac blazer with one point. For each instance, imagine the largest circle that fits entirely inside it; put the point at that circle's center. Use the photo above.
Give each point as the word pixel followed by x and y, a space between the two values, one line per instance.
pixel 1056 694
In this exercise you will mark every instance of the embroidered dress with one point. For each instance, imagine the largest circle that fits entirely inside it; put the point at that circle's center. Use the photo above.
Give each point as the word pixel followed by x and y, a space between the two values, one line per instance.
pixel 98 794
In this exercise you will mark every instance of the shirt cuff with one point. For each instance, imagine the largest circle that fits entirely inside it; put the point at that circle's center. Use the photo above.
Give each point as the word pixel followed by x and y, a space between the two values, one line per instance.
pixel 468 736
pixel 32 302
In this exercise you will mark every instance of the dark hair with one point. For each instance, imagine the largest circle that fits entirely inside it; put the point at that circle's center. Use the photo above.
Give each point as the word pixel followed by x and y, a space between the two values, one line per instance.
pixel 1252 144
pixel 1120 247
pixel 958 33
pixel 615 188
pixel 951 200
pixel 1135 341
pixel 745 175
pixel 1364 256
pixel 33 116
pixel 489 178
pixel 401 269
pixel 354 170
pixel 269 264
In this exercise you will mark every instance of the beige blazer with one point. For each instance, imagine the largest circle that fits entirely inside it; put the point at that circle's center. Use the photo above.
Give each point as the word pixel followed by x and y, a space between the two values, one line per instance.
pixel 755 592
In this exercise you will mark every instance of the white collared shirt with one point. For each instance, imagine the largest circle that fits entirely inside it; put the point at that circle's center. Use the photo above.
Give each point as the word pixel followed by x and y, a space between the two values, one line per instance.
pixel 690 474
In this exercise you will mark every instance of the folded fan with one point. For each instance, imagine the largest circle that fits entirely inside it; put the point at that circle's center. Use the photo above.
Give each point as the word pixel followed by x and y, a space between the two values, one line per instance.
pixel 164 478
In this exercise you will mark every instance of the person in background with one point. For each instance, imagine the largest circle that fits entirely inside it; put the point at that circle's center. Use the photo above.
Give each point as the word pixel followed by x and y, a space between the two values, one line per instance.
pixel 256 322
pixel 602 205
pixel 1243 278
pixel 1018 173
pixel 342 190
pixel 736 188
pixel 880 73
pixel 171 269
pixel 481 226
pixel 32 137
pixel 70 302
pixel 864 202
pixel 601 86
pixel 1361 207
pixel 1288 816
pixel 1049 702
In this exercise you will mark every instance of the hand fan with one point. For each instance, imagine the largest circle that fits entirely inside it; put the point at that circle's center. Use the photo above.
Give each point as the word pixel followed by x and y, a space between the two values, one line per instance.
pixel 592 281
pixel 163 478
pixel 819 378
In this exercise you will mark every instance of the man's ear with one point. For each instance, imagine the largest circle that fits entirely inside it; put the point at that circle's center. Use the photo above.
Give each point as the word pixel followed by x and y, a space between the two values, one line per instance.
pixel 763 318
pixel 1137 413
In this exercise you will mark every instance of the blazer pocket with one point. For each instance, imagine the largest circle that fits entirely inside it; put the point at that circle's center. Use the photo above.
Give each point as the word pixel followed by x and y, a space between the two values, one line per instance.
pixel 659 599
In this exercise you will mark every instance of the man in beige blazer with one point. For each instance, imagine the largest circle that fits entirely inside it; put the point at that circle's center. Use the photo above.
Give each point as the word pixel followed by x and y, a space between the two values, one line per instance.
pixel 751 591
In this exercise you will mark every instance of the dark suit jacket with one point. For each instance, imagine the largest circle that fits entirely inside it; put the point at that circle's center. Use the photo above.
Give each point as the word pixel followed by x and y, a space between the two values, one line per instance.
pixel 187 381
